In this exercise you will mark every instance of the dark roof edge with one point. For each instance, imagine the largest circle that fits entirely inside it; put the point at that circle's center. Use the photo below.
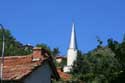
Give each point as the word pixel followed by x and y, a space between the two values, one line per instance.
pixel 53 67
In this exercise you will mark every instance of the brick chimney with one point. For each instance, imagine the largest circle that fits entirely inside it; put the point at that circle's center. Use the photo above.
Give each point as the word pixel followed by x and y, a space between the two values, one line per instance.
pixel 37 54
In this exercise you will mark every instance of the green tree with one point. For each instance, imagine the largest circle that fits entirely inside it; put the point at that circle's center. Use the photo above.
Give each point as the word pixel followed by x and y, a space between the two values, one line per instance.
pixel 105 66
pixel 99 41
pixel 45 46
pixel 119 50
pixel 12 46
pixel 55 51
pixel 98 66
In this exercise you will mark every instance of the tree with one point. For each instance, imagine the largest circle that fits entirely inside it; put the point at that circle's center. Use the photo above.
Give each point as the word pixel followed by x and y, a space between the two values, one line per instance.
pixel 105 66
pixel 98 66
pixel 99 41
pixel 81 66
pixel 119 50
pixel 124 37
pixel 12 46
pixel 55 51
pixel 42 45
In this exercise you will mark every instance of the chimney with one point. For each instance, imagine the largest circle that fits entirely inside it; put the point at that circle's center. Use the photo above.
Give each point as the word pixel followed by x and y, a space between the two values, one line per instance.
pixel 37 54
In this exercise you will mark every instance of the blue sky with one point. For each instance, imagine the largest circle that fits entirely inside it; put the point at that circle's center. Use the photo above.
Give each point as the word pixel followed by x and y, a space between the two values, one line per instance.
pixel 49 21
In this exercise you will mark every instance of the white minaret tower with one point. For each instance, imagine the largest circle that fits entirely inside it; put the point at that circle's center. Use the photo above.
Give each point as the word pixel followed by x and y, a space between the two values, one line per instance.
pixel 72 51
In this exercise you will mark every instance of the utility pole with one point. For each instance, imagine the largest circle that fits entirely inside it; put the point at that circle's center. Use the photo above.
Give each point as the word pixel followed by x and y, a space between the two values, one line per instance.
pixel 2 55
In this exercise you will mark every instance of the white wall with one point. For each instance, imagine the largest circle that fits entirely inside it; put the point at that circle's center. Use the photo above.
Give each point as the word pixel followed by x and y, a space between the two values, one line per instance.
pixel 59 60
pixel 71 56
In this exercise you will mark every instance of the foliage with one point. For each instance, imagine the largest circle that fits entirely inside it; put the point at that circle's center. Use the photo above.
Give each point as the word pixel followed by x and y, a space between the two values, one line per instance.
pixel 45 46
pixel 62 64
pixel 101 65
pixel 119 50
pixel 100 42
pixel 98 66
pixel 55 51
pixel 12 46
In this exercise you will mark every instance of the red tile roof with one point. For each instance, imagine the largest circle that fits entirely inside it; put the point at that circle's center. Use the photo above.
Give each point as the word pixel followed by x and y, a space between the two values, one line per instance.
pixel 16 67
pixel 63 75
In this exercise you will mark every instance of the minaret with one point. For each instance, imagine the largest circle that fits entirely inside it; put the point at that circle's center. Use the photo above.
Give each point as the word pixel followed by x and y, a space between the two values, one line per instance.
pixel 72 50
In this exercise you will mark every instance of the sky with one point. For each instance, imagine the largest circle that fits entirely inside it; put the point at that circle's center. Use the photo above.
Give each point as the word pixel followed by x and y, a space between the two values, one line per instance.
pixel 50 21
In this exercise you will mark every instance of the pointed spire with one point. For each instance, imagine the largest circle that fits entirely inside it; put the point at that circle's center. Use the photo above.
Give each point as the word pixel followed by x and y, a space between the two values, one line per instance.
pixel 73 42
